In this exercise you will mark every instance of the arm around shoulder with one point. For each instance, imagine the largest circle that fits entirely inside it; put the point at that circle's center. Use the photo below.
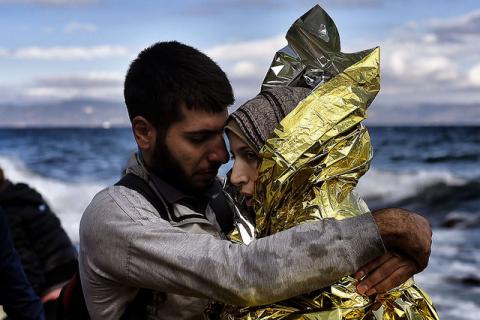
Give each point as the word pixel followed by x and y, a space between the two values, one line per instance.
pixel 156 255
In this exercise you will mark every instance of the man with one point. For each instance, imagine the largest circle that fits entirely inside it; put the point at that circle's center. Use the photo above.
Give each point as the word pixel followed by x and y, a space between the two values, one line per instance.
pixel 167 257
pixel 47 254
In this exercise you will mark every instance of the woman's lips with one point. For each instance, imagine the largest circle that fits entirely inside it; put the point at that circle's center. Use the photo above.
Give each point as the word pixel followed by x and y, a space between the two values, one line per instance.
pixel 249 201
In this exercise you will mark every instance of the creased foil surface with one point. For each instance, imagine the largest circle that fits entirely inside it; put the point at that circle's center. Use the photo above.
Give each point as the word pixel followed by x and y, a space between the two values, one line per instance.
pixel 309 168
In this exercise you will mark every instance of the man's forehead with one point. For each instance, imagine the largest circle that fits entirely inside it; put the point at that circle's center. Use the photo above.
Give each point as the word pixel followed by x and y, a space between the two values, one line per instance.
pixel 198 119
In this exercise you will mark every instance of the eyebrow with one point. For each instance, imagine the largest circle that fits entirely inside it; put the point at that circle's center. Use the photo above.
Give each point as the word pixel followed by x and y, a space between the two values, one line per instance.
pixel 203 131
pixel 245 149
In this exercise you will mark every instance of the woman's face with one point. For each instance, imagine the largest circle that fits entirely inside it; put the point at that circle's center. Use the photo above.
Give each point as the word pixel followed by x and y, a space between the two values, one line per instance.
pixel 244 172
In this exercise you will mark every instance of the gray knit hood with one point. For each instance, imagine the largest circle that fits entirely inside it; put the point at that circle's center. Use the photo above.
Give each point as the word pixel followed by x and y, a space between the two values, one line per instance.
pixel 258 117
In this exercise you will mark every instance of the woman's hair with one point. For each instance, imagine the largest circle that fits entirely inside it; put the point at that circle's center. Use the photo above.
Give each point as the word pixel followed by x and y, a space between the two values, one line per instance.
pixel 258 117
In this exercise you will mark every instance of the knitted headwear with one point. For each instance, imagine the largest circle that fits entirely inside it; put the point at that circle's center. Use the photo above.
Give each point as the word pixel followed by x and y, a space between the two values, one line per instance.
pixel 258 117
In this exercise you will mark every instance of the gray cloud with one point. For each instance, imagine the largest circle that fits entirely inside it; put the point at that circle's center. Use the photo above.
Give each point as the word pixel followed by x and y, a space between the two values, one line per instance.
pixel 79 27
pixel 247 50
pixel 66 53
pixel 90 99
pixel 53 3
pixel 53 89
pixel 427 76
pixel 93 86
pixel 82 81
pixel 456 29
pixel 213 7
pixel 423 77
pixel 348 4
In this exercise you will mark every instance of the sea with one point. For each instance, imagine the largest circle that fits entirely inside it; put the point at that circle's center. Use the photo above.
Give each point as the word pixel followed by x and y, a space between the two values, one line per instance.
pixel 434 171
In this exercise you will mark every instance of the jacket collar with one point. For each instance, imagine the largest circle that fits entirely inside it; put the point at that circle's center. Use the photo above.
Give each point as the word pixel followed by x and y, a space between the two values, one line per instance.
pixel 171 194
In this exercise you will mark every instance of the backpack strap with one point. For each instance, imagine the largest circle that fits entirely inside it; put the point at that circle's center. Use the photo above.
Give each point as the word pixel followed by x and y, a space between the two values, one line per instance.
pixel 136 183
pixel 136 309
pixel 71 303
pixel 219 204
pixel 223 212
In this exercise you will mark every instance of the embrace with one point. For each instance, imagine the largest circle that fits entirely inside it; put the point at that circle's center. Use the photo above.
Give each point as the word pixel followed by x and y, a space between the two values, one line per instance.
pixel 289 240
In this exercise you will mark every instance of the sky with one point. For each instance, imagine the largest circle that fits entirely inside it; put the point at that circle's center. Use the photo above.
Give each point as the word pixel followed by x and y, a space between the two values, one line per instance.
pixel 62 62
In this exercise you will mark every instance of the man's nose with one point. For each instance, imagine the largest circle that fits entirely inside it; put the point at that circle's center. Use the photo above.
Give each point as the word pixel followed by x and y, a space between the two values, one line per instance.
pixel 219 152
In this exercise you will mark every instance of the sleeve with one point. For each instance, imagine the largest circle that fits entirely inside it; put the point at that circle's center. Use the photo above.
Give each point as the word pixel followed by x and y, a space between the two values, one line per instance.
pixel 51 244
pixel 156 255
pixel 16 294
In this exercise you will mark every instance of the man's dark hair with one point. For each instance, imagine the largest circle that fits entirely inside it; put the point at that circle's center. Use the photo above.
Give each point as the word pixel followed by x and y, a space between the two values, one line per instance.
pixel 170 73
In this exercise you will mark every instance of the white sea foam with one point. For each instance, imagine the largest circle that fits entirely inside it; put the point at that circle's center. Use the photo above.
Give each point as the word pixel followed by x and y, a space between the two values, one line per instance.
pixel 390 187
pixel 67 199
pixel 454 259
pixel 456 309
pixel 449 251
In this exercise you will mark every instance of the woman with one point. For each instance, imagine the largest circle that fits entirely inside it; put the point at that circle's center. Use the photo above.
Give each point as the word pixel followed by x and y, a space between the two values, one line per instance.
pixel 300 148
pixel 248 130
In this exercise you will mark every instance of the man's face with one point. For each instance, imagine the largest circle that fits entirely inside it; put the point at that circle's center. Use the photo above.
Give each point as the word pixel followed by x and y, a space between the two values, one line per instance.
pixel 192 149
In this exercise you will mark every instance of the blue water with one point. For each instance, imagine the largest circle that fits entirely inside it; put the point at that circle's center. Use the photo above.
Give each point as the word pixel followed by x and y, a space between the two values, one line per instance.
pixel 70 154
pixel 432 170
pixel 456 149
pixel 102 153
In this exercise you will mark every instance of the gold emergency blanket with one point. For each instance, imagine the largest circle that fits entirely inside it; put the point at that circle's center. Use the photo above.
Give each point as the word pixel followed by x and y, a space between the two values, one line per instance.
pixel 309 168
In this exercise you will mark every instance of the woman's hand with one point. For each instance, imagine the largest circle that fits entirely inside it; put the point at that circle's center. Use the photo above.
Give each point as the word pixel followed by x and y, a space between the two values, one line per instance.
pixel 385 273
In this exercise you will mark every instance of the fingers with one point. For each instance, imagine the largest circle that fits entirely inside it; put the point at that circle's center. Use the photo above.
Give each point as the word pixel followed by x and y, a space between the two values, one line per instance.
pixel 372 265
pixel 395 279
pixel 394 271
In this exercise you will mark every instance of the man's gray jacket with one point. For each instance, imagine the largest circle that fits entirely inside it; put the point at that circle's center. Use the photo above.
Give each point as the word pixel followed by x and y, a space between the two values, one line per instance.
pixel 125 245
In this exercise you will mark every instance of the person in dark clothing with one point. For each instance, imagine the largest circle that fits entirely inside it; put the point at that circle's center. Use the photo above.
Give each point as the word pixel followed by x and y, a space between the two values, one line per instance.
pixel 16 294
pixel 47 254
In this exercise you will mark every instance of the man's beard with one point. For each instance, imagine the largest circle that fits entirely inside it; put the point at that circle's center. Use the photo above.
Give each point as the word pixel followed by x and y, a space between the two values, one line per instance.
pixel 169 169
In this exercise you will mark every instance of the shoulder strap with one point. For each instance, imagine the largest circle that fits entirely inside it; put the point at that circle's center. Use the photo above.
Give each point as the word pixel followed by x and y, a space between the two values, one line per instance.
pixel 219 205
pixel 136 309
pixel 136 183
pixel 71 302
pixel 223 212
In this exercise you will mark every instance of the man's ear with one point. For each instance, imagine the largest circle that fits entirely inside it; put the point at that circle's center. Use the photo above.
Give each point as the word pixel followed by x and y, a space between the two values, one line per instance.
pixel 145 133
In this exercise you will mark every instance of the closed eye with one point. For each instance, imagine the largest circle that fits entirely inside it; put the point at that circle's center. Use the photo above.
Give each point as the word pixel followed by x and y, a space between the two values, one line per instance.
pixel 202 136
pixel 197 139
pixel 251 156
pixel 248 154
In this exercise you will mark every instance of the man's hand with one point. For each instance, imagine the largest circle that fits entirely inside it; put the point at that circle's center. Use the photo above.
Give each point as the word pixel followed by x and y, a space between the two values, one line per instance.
pixel 405 232
pixel 384 273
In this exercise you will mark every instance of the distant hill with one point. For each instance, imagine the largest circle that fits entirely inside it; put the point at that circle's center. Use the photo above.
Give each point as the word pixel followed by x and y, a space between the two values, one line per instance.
pixel 101 113
pixel 76 113
pixel 425 114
